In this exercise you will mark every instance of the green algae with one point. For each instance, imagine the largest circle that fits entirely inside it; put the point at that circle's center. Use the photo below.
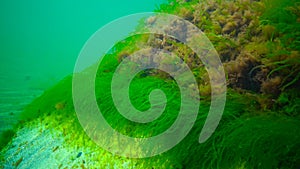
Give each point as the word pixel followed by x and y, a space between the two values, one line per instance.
pixel 240 140
pixel 6 137
pixel 259 127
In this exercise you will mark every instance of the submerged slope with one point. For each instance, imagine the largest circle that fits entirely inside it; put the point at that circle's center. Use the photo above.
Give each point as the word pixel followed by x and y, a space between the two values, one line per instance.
pixel 241 140
pixel 260 126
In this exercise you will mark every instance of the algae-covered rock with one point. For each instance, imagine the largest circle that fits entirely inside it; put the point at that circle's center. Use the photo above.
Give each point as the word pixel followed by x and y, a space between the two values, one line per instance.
pixel 260 125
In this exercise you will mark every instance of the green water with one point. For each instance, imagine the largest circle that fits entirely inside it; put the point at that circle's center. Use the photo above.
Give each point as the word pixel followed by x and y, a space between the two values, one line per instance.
pixel 40 42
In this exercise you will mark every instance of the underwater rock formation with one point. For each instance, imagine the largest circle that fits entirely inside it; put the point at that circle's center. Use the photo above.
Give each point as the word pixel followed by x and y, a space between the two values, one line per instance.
pixel 258 43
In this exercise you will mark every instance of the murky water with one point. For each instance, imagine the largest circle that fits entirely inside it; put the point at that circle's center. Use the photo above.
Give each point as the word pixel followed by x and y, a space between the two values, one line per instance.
pixel 40 42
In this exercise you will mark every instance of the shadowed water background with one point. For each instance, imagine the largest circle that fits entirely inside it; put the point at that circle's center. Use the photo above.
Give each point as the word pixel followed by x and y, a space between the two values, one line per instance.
pixel 40 42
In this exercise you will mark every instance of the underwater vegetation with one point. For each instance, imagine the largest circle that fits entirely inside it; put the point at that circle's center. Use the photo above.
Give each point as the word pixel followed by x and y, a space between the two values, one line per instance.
pixel 5 137
pixel 259 45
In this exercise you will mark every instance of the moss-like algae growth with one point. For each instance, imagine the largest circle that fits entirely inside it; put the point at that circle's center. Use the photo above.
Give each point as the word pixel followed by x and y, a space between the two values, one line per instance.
pixel 6 137
pixel 258 42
